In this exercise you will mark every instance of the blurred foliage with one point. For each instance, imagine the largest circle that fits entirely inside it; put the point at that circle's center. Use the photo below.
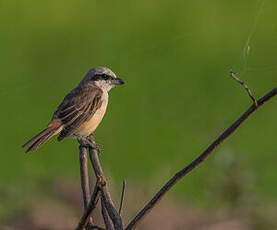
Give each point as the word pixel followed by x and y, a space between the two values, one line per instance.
pixel 174 56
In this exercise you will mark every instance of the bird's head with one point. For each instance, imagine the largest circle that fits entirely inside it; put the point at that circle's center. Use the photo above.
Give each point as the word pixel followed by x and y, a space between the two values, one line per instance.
pixel 103 78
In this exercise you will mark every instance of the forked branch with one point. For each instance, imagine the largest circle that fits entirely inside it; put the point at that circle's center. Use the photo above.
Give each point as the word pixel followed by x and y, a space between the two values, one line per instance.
pixel 91 206
pixel 105 194
pixel 179 175
pixel 105 215
pixel 250 94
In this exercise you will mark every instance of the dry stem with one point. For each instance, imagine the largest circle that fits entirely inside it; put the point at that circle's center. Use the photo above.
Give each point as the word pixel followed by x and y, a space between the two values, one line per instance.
pixel 122 197
pixel 84 177
pixel 199 159
pixel 251 95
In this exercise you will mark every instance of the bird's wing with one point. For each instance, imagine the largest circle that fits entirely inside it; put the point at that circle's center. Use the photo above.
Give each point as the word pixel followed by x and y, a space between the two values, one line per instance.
pixel 77 107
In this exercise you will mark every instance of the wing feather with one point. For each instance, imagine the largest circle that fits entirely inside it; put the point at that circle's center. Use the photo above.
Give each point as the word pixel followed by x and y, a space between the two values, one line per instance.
pixel 78 107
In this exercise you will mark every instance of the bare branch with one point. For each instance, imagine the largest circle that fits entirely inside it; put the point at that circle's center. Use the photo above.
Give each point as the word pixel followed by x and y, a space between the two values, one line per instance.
pixel 91 206
pixel 114 215
pixel 122 197
pixel 84 177
pixel 251 95
pixel 106 218
pixel 199 159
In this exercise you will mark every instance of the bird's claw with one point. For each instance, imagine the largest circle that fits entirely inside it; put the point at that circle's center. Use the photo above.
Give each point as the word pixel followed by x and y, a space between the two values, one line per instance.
pixel 84 143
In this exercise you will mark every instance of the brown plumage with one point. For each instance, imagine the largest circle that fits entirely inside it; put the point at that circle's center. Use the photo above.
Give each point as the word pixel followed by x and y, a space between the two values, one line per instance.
pixel 78 107
pixel 81 110
pixel 52 128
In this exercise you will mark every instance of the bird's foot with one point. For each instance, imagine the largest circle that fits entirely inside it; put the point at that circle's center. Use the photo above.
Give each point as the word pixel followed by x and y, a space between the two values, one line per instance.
pixel 87 143
pixel 91 139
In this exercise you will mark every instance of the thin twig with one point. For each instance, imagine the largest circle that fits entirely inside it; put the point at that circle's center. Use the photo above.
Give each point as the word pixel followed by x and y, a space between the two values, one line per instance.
pixel 114 215
pixel 199 159
pixel 122 196
pixel 251 95
pixel 106 218
pixel 91 206
pixel 84 177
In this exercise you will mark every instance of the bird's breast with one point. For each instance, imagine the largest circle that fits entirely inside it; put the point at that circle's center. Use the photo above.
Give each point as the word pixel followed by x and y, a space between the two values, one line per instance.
pixel 89 126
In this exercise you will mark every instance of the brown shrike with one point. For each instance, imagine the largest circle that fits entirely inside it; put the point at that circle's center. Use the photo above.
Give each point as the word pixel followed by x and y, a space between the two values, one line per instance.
pixel 81 110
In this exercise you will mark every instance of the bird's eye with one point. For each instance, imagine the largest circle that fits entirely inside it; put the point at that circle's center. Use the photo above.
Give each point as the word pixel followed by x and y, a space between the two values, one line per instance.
pixel 105 76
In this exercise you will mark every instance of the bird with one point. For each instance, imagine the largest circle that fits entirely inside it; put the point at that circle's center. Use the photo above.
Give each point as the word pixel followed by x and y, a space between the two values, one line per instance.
pixel 81 110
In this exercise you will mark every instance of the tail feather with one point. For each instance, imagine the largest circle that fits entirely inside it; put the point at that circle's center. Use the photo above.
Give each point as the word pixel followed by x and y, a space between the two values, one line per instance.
pixel 40 141
pixel 35 138
pixel 52 129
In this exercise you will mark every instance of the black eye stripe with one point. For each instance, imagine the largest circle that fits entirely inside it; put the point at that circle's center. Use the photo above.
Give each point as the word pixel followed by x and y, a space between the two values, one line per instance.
pixel 101 77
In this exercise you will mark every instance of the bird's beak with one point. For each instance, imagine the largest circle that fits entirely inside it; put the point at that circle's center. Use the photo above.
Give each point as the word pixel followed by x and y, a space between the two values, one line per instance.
pixel 118 81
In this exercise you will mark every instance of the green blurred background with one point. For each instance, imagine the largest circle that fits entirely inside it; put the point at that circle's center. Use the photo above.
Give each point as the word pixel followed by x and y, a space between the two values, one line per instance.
pixel 174 57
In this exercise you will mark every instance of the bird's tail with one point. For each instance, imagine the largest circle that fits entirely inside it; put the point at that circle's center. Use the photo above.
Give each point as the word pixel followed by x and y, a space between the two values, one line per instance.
pixel 52 129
